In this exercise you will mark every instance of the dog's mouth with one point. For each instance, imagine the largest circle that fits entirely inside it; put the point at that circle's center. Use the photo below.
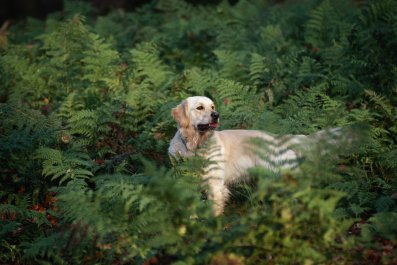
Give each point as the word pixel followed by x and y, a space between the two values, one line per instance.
pixel 207 127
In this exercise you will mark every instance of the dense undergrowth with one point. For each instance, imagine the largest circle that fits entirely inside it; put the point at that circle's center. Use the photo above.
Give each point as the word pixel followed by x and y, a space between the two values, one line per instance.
pixel 85 125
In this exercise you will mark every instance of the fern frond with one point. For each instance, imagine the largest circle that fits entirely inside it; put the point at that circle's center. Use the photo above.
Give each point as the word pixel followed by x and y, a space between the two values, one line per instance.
pixel 384 204
pixel 319 109
pixel 319 25
pixel 235 96
pixel 271 39
pixel 84 122
pixel 232 64
pixel 43 246
pixel 198 81
pixel 64 165
pixel 377 11
pixel 259 72
pixel 381 101
pixel 148 66
pixel 24 214
pixel 70 104
pixel 101 64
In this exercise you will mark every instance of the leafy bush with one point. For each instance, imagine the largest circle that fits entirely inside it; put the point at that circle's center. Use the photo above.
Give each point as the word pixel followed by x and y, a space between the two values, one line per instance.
pixel 85 126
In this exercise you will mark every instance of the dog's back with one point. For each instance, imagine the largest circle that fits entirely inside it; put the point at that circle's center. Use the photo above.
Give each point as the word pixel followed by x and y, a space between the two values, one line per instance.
pixel 240 150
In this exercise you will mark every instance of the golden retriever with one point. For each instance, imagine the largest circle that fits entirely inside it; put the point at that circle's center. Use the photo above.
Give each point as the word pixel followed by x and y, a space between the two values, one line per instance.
pixel 197 120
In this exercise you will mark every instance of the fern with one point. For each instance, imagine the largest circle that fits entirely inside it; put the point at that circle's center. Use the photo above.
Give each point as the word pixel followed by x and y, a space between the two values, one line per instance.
pixel 63 51
pixel 149 67
pixel 84 122
pixel 101 65
pixel 64 166
pixel 259 71
pixel 272 39
pixel 140 112
pixel 29 75
pixel 232 64
pixel 323 25
pixel 381 224
pixel 42 246
pixel 377 11
pixel 23 131
pixel 85 97
pixel 384 204
pixel 320 109
pixel 139 205
pixel 381 102
pixel 20 213
pixel 236 96
pixel 70 104
pixel 200 82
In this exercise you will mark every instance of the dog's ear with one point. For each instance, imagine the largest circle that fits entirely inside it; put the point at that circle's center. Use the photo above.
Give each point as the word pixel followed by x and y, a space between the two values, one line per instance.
pixel 180 114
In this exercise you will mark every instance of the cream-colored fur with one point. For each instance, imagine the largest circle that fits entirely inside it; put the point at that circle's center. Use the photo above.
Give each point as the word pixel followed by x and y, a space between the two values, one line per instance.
pixel 233 150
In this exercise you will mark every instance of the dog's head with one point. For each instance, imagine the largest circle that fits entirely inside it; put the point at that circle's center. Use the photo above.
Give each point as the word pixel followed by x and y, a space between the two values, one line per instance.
pixel 196 112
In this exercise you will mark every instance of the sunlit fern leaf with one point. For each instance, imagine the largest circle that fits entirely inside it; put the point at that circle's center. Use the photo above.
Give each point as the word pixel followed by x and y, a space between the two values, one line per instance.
pixel 63 46
pixel 259 72
pixel 101 64
pixel 148 66
pixel 381 102
pixel 17 65
pixel 84 122
pixel 64 165
pixel 200 81
pixel 70 104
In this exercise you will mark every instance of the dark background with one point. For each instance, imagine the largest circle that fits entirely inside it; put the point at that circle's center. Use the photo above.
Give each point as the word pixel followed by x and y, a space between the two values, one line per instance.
pixel 18 9
pixel 12 10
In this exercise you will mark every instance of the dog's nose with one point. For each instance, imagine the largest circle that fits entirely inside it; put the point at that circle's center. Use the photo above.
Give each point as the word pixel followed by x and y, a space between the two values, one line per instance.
pixel 214 115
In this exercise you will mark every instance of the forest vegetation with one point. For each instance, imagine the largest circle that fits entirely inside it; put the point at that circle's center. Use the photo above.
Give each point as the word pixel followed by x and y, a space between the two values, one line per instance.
pixel 85 101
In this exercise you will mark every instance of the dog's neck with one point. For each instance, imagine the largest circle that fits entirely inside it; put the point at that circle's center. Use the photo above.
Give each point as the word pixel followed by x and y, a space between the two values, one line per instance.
pixel 192 138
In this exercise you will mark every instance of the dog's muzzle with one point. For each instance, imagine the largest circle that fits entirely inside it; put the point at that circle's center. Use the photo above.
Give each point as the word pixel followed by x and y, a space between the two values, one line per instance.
pixel 214 116
pixel 212 125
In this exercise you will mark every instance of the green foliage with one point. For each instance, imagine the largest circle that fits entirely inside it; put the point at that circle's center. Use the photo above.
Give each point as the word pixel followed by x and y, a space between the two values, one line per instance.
pixel 290 206
pixel 85 124
pixel 65 166
pixel 381 224
pixel 237 97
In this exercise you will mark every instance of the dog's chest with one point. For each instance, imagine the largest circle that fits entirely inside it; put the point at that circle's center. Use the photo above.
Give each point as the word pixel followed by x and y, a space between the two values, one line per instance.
pixel 178 147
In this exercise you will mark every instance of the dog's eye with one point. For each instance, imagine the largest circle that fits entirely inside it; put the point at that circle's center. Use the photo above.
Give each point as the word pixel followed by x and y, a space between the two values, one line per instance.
pixel 200 108
pixel 212 107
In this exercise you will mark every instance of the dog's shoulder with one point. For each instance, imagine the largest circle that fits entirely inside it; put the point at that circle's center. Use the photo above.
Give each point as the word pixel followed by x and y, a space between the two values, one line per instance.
pixel 177 147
